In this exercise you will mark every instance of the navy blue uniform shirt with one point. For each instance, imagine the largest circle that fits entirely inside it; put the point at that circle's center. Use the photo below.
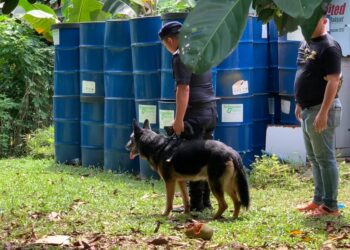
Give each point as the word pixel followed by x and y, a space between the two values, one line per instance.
pixel 201 88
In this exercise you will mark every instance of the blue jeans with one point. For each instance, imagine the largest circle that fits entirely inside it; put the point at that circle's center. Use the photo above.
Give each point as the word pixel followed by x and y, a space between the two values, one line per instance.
pixel 320 150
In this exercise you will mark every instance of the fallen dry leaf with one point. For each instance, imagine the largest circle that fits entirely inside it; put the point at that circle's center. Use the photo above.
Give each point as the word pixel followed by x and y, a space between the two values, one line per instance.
pixel 54 240
pixel 148 196
pixel 36 215
pixel 159 241
pixel 330 227
pixel 295 233
pixel 53 216
pixel 76 203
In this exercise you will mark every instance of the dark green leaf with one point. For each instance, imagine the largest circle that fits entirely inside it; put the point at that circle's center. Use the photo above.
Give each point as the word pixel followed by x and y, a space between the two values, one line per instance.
pixel 211 32
pixel 31 1
pixel 309 25
pixel 64 7
pixel 9 6
pixel 261 3
pixel 298 8
pixel 80 10
pixel 266 14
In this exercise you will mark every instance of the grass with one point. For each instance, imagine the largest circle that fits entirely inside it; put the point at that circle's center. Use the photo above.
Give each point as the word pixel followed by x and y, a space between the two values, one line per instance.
pixel 106 210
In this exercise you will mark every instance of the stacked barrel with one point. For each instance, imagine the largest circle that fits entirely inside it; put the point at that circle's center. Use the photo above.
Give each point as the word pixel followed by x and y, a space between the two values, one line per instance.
pixel 273 85
pixel 146 57
pixel 234 80
pixel 92 93
pixel 107 73
pixel 66 103
pixel 119 97
pixel 287 56
pixel 261 115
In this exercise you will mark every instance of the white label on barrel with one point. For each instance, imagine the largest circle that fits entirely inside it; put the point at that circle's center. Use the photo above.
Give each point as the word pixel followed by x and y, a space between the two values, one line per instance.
pixel 56 37
pixel 232 112
pixel 295 35
pixel 148 112
pixel 264 31
pixel 271 101
pixel 240 87
pixel 166 118
pixel 89 87
pixel 285 106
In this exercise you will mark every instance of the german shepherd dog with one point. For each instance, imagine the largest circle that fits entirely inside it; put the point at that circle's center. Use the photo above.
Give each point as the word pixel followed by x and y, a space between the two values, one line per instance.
pixel 178 160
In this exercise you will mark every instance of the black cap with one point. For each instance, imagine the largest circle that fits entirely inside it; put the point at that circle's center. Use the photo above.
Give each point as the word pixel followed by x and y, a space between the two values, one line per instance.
pixel 170 28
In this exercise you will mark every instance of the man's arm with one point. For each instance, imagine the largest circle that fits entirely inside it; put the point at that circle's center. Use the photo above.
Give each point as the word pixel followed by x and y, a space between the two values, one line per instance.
pixel 320 122
pixel 182 96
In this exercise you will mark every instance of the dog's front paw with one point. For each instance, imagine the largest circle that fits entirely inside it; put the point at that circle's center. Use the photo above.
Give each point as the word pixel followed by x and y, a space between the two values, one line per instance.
pixel 166 212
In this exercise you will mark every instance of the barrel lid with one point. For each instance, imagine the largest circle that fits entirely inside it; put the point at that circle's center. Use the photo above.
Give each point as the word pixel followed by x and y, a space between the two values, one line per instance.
pixel 92 22
pixel 117 20
pixel 174 15
pixel 64 25
pixel 144 17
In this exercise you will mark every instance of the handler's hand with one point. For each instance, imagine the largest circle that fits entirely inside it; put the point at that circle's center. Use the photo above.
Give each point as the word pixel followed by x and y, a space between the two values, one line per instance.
pixel 178 127
pixel 297 112
pixel 320 122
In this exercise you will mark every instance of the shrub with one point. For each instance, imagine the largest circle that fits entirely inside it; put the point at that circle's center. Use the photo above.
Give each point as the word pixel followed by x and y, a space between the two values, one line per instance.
pixel 268 171
pixel 40 144
pixel 26 66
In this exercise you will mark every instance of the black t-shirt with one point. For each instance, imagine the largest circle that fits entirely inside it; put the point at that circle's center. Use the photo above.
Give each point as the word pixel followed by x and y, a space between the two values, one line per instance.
pixel 201 88
pixel 319 58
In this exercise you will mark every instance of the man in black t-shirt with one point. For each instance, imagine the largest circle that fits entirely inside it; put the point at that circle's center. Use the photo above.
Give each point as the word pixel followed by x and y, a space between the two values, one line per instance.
pixel 317 82
pixel 195 103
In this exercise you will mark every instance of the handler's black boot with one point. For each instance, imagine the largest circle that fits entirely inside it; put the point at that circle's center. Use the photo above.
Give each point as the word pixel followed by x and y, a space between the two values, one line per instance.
pixel 196 196
pixel 206 196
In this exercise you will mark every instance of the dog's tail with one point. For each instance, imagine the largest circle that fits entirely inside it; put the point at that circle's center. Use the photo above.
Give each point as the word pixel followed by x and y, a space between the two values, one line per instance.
pixel 241 181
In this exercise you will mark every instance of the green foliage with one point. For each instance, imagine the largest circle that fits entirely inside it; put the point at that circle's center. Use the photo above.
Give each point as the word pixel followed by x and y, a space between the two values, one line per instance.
pixel 167 6
pixel 211 31
pixel 200 47
pixel 85 10
pixel 40 143
pixel 133 8
pixel 118 211
pixel 7 107
pixel 268 171
pixel 26 66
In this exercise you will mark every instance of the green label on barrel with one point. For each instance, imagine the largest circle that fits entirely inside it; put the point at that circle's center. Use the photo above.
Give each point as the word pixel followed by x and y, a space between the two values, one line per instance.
pixel 148 112
pixel 166 118
pixel 232 113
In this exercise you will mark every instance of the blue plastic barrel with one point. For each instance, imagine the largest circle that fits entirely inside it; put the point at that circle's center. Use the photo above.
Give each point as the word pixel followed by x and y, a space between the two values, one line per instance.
pixel 245 70
pixel 166 113
pixel 274 102
pixel 287 56
pixel 119 97
pixel 234 126
pixel 66 99
pixel 287 105
pixel 273 86
pixel 146 56
pixel 261 59
pixel 146 60
pixel 92 92
pixel 167 80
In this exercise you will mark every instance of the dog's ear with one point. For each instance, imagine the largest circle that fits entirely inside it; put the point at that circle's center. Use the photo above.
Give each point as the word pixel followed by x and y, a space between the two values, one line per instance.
pixel 146 125
pixel 135 126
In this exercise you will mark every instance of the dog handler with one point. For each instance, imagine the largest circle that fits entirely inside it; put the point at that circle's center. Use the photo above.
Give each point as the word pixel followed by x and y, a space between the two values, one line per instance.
pixel 318 107
pixel 195 103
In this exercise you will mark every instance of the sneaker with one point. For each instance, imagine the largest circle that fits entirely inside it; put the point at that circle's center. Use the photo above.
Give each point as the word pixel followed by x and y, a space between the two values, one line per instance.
pixel 308 207
pixel 323 211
